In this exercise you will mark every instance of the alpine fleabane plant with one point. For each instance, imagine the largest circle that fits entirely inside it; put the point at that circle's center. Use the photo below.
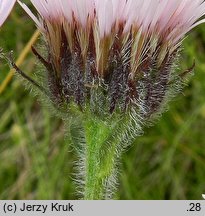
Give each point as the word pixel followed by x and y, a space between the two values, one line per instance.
pixel 110 69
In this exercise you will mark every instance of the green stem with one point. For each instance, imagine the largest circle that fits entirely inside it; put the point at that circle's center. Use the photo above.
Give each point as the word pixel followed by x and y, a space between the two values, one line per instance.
pixel 100 169
pixel 98 157
pixel 99 145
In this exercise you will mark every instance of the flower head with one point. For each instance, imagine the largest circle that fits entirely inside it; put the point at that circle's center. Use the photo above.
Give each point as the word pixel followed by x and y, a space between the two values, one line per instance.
pixel 5 8
pixel 121 50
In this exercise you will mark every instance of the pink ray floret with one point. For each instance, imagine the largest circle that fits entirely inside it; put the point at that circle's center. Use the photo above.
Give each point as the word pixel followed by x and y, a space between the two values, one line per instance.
pixel 154 22
pixel 5 9
pixel 170 18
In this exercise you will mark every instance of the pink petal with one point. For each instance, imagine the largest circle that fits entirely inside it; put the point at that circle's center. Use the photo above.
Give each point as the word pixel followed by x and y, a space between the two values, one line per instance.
pixel 28 11
pixel 5 9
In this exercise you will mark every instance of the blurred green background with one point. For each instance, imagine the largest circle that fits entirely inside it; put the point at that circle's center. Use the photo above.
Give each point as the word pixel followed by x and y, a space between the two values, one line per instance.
pixel 168 162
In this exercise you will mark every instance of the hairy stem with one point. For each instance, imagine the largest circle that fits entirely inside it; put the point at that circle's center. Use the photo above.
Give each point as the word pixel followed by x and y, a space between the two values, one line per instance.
pixel 98 145
pixel 100 170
